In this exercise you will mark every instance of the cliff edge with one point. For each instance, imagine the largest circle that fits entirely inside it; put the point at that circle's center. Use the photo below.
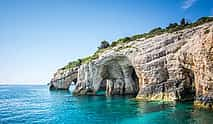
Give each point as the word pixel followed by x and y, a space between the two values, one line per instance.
pixel 172 66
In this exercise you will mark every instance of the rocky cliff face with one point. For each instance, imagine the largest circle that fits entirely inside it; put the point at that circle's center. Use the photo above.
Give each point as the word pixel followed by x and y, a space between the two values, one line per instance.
pixel 63 79
pixel 174 67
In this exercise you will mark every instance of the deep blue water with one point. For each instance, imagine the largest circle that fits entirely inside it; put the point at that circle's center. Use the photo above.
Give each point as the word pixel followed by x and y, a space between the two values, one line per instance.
pixel 37 105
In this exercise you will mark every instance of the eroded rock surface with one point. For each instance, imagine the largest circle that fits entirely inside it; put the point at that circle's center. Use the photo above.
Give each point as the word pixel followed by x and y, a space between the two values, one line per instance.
pixel 63 79
pixel 174 66
pixel 113 73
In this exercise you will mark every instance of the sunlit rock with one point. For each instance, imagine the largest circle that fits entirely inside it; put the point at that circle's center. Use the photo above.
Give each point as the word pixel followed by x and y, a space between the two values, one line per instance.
pixel 172 67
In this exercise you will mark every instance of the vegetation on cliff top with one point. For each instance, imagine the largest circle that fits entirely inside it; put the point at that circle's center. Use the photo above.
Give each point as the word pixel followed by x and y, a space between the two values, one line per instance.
pixel 172 27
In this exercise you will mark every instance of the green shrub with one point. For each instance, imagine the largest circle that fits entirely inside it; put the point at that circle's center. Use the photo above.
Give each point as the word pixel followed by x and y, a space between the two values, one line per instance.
pixel 124 40
pixel 104 44
pixel 114 43
pixel 203 20
pixel 138 36
pixel 72 64
pixel 156 30
pixel 172 25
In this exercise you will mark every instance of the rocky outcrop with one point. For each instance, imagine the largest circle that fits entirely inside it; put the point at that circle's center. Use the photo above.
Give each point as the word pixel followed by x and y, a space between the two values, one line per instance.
pixel 178 67
pixel 112 73
pixel 173 66
pixel 63 79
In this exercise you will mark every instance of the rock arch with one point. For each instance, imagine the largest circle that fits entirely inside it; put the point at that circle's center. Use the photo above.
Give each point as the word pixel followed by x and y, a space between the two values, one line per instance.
pixel 186 88
pixel 114 74
pixel 119 76
pixel 64 82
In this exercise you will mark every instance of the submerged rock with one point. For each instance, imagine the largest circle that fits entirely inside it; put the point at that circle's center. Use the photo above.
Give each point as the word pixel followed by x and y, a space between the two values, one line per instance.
pixel 173 66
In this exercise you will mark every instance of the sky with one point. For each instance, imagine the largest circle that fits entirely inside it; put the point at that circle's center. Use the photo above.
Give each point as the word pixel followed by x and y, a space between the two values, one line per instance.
pixel 39 36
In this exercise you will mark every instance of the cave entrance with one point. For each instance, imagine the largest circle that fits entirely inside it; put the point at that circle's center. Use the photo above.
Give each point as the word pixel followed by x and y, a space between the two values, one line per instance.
pixel 102 88
pixel 189 90
pixel 72 85
pixel 118 77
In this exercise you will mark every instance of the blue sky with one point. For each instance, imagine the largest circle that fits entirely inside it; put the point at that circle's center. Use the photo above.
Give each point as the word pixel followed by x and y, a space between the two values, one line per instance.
pixel 39 36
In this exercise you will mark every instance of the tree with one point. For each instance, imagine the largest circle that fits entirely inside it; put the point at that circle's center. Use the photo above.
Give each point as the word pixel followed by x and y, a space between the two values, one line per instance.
pixel 183 22
pixel 172 25
pixel 79 62
pixel 156 30
pixel 104 44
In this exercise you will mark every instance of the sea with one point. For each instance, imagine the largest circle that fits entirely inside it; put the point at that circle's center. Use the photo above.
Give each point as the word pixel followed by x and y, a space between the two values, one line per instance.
pixel 35 104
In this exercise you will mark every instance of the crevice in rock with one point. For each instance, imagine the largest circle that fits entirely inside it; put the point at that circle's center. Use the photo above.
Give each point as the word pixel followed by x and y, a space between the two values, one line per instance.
pixel 188 86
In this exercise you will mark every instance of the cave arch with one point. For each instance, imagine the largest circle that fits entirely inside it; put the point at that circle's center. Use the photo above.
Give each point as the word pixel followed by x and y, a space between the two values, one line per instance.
pixel 187 88
pixel 65 82
pixel 117 76
pixel 188 92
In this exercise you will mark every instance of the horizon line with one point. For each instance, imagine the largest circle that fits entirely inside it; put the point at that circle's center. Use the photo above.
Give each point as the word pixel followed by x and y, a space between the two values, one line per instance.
pixel 23 83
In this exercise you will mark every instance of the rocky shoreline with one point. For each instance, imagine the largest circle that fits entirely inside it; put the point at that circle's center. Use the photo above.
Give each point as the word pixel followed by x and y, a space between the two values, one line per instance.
pixel 174 66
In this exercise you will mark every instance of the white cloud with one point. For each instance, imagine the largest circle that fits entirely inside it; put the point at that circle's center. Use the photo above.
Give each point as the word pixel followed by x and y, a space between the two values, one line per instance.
pixel 188 3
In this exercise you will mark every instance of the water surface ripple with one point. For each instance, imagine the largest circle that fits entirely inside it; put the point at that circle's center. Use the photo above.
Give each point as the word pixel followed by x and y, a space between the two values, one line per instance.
pixel 37 105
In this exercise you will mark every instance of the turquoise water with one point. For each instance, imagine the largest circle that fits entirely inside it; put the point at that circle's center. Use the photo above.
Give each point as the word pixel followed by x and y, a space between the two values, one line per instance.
pixel 38 105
